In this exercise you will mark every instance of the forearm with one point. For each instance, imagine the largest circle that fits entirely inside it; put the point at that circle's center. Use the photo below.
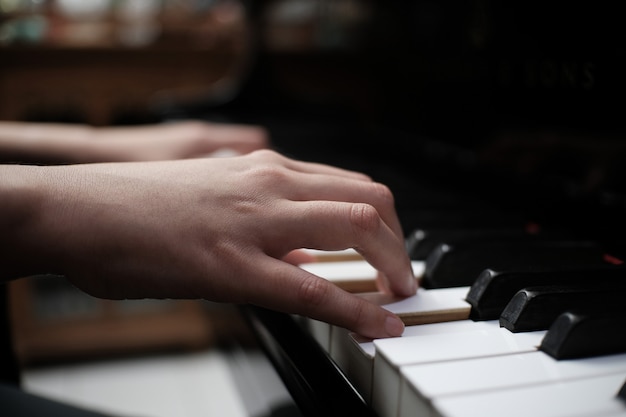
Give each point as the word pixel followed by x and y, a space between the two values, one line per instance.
pixel 23 192
pixel 47 143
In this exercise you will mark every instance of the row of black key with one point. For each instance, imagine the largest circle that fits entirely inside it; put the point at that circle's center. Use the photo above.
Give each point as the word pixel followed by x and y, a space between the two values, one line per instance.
pixel 528 280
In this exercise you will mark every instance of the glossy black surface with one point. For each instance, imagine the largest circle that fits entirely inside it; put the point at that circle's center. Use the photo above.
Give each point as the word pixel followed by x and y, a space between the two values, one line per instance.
pixel 578 335
pixel 492 290
pixel 312 378
pixel 536 308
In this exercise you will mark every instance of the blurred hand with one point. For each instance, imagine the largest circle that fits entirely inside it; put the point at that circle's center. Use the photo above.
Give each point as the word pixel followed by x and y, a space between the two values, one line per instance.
pixel 180 140
pixel 53 143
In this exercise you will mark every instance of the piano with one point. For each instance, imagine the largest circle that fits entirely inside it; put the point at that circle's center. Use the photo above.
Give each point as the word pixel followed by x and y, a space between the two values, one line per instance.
pixel 499 127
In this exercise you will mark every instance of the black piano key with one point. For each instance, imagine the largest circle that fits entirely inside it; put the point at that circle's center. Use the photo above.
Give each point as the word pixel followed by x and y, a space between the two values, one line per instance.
pixel 459 265
pixel 577 335
pixel 492 290
pixel 536 308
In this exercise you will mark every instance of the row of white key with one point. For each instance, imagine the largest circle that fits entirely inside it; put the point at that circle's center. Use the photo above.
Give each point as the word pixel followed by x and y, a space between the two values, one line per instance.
pixel 527 384
pixel 348 270
pixel 393 355
pixel 425 372
pixel 465 368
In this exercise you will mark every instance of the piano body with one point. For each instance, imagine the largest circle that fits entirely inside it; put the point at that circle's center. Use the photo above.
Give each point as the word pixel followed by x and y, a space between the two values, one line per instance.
pixel 499 126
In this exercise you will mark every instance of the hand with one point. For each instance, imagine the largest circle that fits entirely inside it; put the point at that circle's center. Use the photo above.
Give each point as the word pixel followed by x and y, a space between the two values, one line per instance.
pixel 218 229
pixel 180 140
pixel 64 143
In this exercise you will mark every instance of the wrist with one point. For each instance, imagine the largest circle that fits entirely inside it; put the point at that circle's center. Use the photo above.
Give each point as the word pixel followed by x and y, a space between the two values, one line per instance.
pixel 26 245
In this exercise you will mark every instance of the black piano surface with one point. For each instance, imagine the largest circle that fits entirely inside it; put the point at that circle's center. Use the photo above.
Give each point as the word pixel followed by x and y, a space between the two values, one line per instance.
pixel 519 106
pixel 469 110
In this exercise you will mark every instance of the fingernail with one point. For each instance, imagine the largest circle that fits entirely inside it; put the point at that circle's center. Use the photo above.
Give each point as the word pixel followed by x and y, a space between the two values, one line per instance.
pixel 411 287
pixel 413 280
pixel 394 326
pixel 414 284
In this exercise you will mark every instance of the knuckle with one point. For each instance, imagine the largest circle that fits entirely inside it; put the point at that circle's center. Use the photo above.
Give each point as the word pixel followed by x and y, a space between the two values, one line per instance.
pixel 313 291
pixel 266 154
pixel 383 193
pixel 271 174
pixel 364 218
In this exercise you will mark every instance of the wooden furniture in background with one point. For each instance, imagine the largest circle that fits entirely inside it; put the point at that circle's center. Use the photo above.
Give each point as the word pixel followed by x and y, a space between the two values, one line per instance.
pixel 58 61
pixel 54 322
pixel 93 85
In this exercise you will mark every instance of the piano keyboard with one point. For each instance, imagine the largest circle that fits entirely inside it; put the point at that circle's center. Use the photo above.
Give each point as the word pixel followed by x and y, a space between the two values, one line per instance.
pixel 455 359
pixel 354 275
pixel 448 365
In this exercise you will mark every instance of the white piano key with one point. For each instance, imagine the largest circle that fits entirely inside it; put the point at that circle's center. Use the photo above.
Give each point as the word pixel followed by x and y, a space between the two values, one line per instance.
pixel 355 357
pixel 392 354
pixel 354 276
pixel 612 414
pixel 448 327
pixel 477 342
pixel 354 354
pixel 334 256
pixel 587 397
pixel 346 274
pixel 426 306
pixel 421 384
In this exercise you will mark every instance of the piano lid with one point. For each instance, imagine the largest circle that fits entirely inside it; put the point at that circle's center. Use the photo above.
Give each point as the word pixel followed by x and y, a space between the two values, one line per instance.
pixel 526 94
pixel 520 100
pixel 498 65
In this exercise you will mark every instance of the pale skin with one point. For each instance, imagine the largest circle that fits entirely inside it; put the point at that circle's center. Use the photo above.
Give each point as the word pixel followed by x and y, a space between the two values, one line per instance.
pixel 222 229
pixel 67 143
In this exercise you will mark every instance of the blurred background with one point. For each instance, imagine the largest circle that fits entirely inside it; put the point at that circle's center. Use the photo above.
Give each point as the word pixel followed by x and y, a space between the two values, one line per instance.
pixel 124 61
